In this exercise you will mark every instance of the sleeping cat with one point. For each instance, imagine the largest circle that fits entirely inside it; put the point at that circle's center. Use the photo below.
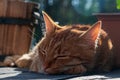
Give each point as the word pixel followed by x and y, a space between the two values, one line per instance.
pixel 70 49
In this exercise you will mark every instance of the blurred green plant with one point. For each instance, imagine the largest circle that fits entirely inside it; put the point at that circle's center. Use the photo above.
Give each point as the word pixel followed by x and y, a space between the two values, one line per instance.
pixel 118 4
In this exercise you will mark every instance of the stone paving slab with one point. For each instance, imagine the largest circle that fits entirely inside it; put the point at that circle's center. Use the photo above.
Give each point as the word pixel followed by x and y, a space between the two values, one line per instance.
pixel 8 73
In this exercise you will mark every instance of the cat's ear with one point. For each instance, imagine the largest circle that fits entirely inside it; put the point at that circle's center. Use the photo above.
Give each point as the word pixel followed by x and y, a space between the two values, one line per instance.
pixel 93 33
pixel 50 25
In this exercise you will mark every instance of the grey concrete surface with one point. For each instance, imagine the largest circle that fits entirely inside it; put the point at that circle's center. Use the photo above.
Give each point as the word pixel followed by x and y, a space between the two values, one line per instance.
pixel 8 73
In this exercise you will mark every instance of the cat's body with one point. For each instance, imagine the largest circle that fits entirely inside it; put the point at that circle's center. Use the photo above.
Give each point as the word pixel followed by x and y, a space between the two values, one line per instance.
pixel 70 50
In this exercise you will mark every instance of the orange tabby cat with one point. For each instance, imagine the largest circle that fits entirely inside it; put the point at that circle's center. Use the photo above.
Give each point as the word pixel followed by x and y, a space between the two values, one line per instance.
pixel 70 49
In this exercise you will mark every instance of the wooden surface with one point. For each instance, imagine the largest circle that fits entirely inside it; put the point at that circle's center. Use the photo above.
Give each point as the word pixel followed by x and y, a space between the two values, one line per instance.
pixel 7 73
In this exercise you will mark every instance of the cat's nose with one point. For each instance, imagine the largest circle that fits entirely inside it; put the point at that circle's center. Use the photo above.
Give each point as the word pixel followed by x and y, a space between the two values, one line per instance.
pixel 45 66
pixel 50 71
pixel 47 69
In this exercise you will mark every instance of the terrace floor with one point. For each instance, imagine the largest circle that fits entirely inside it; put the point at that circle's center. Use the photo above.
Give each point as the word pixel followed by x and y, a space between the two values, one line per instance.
pixel 8 73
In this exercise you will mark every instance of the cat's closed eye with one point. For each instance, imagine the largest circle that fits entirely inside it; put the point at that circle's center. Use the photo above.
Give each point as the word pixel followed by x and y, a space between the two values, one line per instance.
pixel 43 51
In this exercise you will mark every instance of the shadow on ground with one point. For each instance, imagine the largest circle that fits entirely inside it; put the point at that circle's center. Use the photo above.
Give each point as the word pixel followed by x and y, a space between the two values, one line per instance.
pixel 7 73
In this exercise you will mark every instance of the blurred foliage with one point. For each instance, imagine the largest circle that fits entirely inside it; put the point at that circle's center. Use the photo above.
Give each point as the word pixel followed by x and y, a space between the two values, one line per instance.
pixel 69 11
pixel 77 11
pixel 108 6
pixel 118 4
pixel 34 1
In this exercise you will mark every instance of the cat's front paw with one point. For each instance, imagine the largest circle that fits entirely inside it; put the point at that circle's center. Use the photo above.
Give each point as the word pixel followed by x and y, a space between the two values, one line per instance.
pixel 24 61
pixel 10 60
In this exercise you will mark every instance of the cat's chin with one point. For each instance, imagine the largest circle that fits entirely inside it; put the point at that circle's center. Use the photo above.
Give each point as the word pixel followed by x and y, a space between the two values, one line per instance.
pixel 53 71
pixel 66 70
pixel 49 71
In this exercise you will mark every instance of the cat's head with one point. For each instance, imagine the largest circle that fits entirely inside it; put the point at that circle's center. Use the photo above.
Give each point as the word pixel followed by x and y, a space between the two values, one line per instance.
pixel 68 48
